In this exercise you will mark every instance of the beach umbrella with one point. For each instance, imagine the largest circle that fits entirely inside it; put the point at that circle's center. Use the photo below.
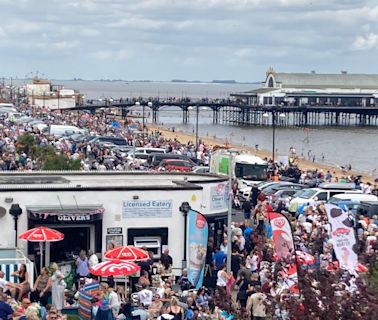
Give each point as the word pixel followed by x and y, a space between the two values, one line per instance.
pixel 305 258
pixel 42 234
pixel 129 253
pixel 114 268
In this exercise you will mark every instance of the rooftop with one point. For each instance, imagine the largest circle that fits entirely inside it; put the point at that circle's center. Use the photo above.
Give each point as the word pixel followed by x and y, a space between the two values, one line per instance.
pixel 318 80
pixel 126 180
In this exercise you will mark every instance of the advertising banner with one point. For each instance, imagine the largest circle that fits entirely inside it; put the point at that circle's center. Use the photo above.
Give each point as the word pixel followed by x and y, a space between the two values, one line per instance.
pixel 343 237
pixel 197 246
pixel 219 197
pixel 284 247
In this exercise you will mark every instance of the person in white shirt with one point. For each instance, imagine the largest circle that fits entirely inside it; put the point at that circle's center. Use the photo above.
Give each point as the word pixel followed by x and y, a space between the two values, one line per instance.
pixel 93 260
pixel 145 296
pixel 114 301
pixel 3 282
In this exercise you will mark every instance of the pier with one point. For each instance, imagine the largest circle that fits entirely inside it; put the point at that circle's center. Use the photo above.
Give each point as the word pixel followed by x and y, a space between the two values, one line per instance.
pixel 239 113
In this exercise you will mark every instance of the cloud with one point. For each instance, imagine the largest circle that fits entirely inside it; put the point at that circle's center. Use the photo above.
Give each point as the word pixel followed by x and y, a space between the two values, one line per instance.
pixel 366 42
pixel 211 38
pixel 118 55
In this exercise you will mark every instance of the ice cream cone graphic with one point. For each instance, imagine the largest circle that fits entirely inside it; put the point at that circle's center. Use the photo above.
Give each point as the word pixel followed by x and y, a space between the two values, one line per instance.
pixel 345 256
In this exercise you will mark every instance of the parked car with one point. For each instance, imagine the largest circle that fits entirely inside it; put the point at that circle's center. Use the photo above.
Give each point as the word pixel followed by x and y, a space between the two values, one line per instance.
pixel 368 208
pixel 155 159
pixel 201 169
pixel 114 140
pixel 175 165
pixel 264 186
pixel 323 193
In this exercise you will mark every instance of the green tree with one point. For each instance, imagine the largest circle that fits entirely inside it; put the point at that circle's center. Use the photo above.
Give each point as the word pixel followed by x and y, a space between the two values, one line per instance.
pixel 60 162
pixel 26 143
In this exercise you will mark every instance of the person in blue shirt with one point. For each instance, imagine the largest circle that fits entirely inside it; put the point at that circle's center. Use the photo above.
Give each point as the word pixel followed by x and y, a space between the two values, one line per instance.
pixel 248 230
pixel 6 310
pixel 219 258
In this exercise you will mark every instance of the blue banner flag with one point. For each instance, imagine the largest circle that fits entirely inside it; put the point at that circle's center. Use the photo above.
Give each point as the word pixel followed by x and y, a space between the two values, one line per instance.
pixel 198 231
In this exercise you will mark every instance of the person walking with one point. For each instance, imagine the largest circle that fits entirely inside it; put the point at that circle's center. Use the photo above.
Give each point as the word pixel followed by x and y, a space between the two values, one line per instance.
pixel 222 278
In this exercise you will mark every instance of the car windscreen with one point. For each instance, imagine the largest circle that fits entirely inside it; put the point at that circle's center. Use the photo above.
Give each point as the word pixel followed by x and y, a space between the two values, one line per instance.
pixel 178 163
pixel 307 194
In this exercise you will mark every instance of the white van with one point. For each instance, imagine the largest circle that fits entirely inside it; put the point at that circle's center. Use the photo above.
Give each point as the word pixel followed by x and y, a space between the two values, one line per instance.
pixel 149 150
pixel 314 195
pixel 352 197
pixel 62 130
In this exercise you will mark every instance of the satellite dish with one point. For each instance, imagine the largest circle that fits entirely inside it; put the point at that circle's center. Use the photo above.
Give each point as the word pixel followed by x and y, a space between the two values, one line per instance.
pixel 3 212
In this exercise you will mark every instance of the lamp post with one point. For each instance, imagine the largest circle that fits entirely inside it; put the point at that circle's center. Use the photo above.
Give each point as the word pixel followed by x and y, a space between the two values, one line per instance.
pixel 229 214
pixel 149 104
pixel 274 115
pixel 15 211
pixel 197 116
pixel 184 208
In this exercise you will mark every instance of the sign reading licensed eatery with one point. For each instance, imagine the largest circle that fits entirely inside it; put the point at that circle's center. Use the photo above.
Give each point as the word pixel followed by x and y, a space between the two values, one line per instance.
pixel 147 209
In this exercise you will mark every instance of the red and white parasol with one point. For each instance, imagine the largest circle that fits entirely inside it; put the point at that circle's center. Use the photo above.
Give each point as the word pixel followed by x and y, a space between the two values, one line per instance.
pixel 42 234
pixel 129 253
pixel 304 258
pixel 114 268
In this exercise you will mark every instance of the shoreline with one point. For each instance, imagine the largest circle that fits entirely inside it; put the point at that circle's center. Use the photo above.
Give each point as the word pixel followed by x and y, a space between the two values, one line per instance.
pixel 303 164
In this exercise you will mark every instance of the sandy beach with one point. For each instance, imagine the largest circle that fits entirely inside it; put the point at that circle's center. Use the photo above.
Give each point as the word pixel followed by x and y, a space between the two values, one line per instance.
pixel 210 141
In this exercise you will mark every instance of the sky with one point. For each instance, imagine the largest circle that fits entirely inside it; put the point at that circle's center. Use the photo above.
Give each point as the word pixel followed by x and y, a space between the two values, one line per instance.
pixel 186 39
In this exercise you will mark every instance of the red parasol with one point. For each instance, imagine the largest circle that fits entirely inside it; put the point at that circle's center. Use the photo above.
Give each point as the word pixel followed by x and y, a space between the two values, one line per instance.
pixel 42 234
pixel 305 258
pixel 129 253
pixel 114 268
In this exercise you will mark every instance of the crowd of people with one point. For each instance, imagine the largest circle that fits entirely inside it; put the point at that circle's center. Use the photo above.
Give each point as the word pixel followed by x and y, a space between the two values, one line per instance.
pixel 258 286
pixel 92 155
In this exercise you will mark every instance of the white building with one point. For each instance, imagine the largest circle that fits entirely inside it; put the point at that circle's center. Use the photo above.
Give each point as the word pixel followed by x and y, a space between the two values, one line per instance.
pixel 94 209
pixel 301 89
pixel 43 94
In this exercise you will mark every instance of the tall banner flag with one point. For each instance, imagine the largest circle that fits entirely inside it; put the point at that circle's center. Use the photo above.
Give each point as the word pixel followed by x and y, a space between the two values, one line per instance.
pixel 284 247
pixel 343 237
pixel 198 231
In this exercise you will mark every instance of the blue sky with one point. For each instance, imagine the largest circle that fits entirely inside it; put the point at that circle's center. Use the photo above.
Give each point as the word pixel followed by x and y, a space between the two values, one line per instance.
pixel 186 39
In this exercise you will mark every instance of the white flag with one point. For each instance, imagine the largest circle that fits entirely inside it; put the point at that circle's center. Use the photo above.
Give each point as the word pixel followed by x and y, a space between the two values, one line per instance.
pixel 343 236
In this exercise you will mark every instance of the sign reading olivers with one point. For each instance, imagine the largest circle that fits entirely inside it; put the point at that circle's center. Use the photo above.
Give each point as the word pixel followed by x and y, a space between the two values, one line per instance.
pixel 147 209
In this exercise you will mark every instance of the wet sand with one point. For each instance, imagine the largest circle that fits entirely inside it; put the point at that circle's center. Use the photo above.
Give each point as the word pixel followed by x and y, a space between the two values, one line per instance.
pixel 303 164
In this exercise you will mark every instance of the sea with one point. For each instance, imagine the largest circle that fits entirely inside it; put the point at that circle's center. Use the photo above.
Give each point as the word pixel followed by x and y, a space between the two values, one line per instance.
pixel 337 146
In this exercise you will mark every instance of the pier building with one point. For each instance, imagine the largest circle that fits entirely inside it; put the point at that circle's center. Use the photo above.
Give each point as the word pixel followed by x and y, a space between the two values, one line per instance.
pixel 313 89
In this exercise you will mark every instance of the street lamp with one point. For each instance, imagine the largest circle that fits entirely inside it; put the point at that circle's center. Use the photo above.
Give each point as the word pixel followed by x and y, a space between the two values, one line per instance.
pixel 149 104
pixel 197 116
pixel 281 116
pixel 15 211
pixel 184 209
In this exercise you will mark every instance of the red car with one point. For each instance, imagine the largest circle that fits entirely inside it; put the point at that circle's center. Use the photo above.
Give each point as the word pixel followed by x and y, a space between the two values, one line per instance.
pixel 175 165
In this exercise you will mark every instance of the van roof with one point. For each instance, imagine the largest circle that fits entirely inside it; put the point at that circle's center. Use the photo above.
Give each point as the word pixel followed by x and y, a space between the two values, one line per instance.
pixel 347 196
pixel 337 186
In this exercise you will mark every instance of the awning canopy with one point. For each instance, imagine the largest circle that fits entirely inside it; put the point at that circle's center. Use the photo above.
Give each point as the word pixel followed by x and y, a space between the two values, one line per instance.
pixel 80 213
